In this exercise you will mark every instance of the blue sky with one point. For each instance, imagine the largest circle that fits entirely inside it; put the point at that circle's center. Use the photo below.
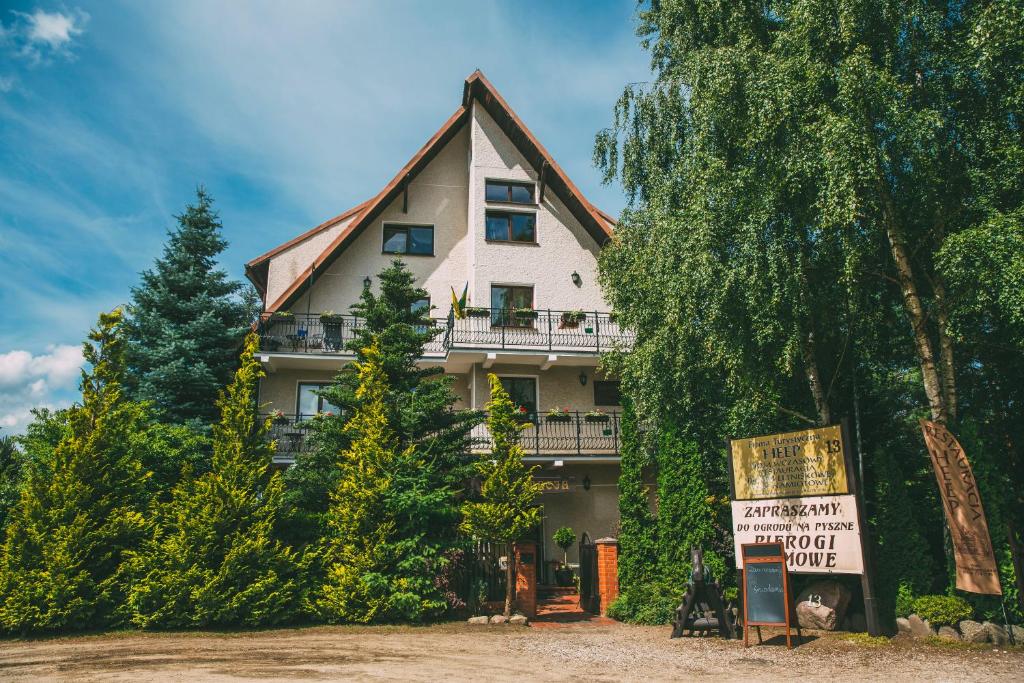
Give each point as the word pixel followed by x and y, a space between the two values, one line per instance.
pixel 289 112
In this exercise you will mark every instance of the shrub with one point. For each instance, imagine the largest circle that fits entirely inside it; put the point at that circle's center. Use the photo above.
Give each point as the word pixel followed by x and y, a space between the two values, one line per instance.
pixel 649 604
pixel 943 610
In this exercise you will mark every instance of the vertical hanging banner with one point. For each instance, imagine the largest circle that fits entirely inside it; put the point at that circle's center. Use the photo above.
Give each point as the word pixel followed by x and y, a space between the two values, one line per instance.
pixel 976 570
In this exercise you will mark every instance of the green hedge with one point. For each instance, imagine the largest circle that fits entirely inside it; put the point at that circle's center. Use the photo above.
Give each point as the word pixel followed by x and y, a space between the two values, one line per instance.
pixel 651 604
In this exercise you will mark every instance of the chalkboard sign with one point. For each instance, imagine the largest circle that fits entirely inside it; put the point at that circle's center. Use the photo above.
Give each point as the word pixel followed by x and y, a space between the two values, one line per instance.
pixel 766 600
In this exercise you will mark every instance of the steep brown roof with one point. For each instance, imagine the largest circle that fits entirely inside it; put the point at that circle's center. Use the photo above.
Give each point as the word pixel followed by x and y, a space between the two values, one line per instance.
pixel 598 224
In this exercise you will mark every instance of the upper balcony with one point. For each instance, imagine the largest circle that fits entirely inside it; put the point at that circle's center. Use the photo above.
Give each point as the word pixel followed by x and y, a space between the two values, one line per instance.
pixel 540 331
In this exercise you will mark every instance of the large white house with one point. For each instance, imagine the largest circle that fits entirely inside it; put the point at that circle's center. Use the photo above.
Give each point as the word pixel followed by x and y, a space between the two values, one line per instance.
pixel 482 205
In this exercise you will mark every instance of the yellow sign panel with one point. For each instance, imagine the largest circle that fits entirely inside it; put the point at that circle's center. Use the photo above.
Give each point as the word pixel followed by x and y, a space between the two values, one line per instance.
pixel 810 462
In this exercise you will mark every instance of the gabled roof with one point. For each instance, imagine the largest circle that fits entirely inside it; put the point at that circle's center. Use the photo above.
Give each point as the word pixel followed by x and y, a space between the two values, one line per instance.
pixel 597 223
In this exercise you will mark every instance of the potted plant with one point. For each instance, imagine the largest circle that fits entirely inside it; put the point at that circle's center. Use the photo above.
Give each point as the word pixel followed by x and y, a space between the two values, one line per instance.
pixel 522 414
pixel 477 312
pixel 596 415
pixel 279 418
pixel 331 318
pixel 282 315
pixel 557 414
pixel 524 317
pixel 571 319
pixel 564 538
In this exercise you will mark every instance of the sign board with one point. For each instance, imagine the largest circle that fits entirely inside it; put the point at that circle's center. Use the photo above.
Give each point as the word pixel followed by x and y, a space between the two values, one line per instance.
pixel 809 462
pixel 820 534
pixel 553 484
pixel 968 529
pixel 766 599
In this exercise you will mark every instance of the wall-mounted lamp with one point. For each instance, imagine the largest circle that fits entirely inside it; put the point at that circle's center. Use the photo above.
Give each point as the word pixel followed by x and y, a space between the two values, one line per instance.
pixel 583 378
pixel 576 279
pixel 367 282
pixel 586 483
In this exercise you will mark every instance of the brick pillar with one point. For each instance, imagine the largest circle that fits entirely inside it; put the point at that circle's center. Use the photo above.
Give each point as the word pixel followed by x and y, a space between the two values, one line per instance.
pixel 526 577
pixel 607 572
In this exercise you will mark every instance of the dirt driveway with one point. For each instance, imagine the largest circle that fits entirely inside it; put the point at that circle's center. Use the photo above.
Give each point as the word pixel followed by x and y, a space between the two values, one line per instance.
pixel 480 653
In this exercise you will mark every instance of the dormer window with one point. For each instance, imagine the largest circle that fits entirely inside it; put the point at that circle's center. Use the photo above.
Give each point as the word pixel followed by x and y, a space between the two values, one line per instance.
pixel 509 192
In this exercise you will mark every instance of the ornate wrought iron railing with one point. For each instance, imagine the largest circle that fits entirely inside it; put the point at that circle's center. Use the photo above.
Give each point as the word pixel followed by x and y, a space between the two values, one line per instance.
pixel 480 328
pixel 568 434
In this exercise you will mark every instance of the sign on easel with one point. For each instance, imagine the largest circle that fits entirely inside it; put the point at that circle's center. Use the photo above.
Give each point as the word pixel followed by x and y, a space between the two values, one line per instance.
pixel 767 600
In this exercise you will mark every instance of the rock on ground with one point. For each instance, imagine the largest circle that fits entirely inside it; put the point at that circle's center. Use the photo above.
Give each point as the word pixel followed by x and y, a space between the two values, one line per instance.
pixel 920 628
pixel 903 626
pixel 974 632
pixel 519 620
pixel 997 634
pixel 822 605
pixel 949 633
pixel 1018 634
pixel 478 620
pixel 499 619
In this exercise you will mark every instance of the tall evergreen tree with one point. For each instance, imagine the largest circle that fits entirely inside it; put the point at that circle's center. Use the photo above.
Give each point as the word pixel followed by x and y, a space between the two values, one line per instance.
pixel 506 509
pixel 81 505
pixel 419 404
pixel 11 459
pixel 383 547
pixel 186 321
pixel 212 559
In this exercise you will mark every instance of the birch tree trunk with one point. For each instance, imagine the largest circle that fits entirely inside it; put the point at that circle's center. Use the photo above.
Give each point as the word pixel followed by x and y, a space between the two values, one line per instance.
pixel 913 307
pixel 810 358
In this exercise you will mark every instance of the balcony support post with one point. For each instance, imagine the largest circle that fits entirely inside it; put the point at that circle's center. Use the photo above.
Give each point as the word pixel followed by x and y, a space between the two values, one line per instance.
pixel 579 436
pixel 597 329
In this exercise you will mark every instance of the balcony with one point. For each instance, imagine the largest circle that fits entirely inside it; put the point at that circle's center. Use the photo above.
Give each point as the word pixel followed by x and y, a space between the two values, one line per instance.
pixel 564 436
pixel 481 329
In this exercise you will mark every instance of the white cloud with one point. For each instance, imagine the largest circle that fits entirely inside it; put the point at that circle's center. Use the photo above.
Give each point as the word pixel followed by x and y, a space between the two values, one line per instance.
pixel 40 35
pixel 36 381
pixel 6 83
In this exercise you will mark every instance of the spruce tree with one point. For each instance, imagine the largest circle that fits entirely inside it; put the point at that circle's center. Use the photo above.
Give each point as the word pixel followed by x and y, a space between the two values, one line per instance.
pixel 187 321
pixel 212 559
pixel 81 505
pixel 505 510
pixel 419 405
pixel 381 553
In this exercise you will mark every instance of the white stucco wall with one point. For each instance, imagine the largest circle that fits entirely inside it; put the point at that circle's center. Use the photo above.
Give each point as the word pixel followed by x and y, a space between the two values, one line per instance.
pixel 563 245
pixel 287 265
pixel 437 196
pixel 559 386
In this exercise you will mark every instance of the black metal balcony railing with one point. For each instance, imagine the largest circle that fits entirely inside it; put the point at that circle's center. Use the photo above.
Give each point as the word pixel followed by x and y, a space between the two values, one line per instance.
pixel 568 434
pixel 480 328
pixel 302 333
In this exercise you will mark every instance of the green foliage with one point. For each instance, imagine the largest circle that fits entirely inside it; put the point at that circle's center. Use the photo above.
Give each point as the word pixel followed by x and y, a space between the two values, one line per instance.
pixel 380 553
pixel 11 459
pixel 904 600
pixel 212 559
pixel 825 204
pixel 942 610
pixel 419 408
pixel 651 603
pixel 564 537
pixel 638 531
pixel 80 508
pixel 186 321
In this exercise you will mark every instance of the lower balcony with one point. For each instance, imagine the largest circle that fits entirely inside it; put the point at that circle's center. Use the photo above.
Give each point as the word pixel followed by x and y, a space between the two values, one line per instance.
pixel 544 436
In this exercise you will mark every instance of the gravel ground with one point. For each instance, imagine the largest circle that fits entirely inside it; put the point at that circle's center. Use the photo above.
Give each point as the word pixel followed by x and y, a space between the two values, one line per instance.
pixel 480 653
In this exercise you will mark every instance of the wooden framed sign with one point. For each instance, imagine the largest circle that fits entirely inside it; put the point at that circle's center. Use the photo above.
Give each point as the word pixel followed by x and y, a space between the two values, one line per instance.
pixel 766 597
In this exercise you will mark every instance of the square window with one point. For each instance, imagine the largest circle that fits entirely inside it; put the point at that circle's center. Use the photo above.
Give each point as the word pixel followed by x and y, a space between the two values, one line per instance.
pixel 409 239
pixel 310 403
pixel 505 300
pixel 523 227
pixel 522 391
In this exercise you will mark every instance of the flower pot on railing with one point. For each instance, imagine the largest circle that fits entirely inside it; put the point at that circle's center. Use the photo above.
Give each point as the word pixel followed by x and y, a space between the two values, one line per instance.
pixel 571 319
pixel 279 418
pixel 477 312
pixel 524 317
pixel 596 416
pixel 558 415
pixel 331 318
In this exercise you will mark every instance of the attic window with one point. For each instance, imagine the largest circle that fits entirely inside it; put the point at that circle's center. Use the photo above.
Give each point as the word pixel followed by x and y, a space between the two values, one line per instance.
pixel 409 239
pixel 512 193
